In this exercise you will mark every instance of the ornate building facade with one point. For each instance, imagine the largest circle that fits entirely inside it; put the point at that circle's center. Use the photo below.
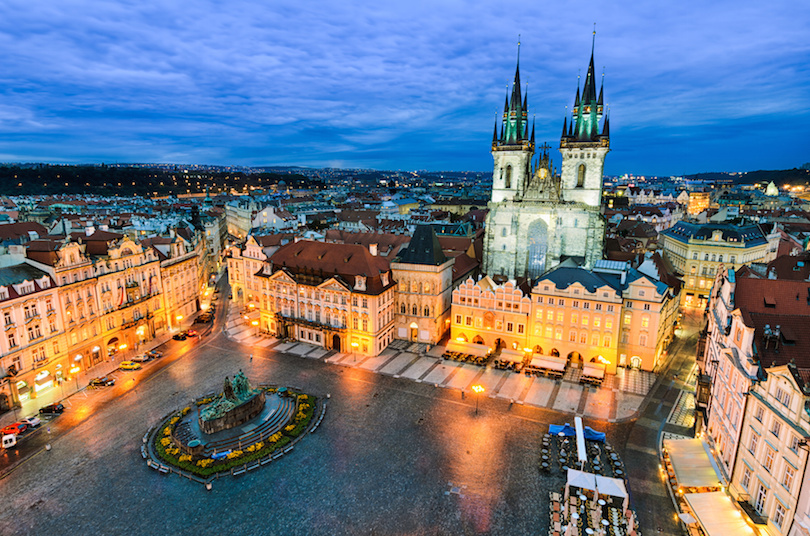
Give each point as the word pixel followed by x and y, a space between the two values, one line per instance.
pixel 536 218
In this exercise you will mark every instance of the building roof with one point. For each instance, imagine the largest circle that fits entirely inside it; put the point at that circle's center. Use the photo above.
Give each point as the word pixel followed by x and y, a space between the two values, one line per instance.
pixel 772 303
pixel 317 261
pixel 795 267
pixel 424 248
pixel 750 235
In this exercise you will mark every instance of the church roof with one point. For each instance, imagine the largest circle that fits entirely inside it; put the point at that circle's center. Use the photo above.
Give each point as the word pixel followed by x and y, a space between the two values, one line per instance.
pixel 424 248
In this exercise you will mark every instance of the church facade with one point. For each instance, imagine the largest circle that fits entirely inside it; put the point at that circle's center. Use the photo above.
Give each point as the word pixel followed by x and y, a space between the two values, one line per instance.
pixel 538 218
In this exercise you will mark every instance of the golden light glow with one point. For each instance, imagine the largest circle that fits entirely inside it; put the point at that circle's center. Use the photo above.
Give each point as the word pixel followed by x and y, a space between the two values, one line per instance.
pixel 74 370
pixel 478 388
pixel 355 345
pixel 460 339
pixel 179 317
pixel 122 347
pixel 254 323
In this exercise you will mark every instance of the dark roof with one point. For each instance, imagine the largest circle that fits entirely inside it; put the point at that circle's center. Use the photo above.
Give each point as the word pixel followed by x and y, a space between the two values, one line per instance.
pixel 748 234
pixel 563 277
pixel 424 248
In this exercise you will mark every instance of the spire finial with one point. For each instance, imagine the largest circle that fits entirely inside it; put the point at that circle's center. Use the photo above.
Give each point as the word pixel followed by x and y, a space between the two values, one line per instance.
pixel 518 58
pixel 593 40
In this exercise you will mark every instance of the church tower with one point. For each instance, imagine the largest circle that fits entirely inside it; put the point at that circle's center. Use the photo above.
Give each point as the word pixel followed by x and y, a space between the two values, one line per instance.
pixel 512 151
pixel 583 147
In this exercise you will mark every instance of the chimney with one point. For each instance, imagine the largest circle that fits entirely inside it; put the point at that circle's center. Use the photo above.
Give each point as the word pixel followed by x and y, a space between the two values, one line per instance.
pixel 89 230
pixel 372 248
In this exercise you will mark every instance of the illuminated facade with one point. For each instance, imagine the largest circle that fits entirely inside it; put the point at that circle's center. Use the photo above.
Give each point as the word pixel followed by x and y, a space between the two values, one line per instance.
pixel 613 311
pixel 699 251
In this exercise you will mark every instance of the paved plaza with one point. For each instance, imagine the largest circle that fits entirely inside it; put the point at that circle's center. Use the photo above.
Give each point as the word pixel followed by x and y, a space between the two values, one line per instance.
pixel 618 398
pixel 401 450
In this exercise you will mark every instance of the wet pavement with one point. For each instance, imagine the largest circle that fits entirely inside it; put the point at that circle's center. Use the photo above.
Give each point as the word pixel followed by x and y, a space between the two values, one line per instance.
pixel 392 456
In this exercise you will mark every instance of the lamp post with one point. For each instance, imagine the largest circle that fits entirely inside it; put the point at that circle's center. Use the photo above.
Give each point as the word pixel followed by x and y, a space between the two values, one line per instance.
pixel 255 325
pixel 478 390
pixel 75 371
pixel 354 350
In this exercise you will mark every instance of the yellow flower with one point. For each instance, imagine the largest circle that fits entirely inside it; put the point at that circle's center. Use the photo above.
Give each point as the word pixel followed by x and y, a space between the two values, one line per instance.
pixel 185 458
pixel 165 441
pixel 167 431
pixel 205 462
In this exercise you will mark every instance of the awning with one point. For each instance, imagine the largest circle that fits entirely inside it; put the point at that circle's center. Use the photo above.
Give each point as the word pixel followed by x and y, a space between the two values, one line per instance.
pixel 510 358
pixel 512 353
pixel 612 487
pixel 691 463
pixel 566 429
pixel 717 515
pixel 550 363
pixel 593 370
pixel 593 435
pixel 581 480
pixel 687 518
pixel 467 348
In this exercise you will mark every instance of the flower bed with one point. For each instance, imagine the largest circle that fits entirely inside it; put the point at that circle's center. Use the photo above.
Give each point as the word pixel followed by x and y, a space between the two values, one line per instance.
pixel 204 466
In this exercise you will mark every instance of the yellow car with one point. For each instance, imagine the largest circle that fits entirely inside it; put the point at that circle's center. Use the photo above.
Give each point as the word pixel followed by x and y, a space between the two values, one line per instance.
pixel 129 365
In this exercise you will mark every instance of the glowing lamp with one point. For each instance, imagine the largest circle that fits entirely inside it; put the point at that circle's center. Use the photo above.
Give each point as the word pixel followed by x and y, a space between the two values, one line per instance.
pixel 75 369
pixel 478 388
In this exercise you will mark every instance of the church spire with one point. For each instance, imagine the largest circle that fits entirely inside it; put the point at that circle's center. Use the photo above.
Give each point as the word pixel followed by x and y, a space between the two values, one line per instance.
pixel 515 114
pixel 587 112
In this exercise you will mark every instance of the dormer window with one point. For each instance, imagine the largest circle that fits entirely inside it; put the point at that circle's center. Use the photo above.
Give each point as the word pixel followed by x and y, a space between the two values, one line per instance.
pixel 384 279
pixel 3 293
pixel 360 282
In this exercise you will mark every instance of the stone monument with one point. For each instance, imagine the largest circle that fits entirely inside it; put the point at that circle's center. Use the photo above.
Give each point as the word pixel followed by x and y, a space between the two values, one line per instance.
pixel 237 405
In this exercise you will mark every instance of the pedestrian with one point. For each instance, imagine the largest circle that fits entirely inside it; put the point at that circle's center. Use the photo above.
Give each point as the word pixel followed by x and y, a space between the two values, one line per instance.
pixel 251 358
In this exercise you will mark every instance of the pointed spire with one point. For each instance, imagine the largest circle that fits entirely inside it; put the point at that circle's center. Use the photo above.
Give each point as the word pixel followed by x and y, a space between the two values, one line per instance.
pixel 532 130
pixel 525 98
pixel 606 128
pixel 576 100
pixel 600 101
pixel 495 130
pixel 565 126
pixel 506 100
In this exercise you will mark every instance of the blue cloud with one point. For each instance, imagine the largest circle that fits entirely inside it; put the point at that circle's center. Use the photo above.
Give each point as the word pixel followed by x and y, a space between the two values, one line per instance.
pixel 401 86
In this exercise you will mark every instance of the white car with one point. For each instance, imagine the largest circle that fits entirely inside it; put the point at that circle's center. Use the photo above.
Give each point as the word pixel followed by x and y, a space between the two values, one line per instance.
pixel 32 421
pixel 140 358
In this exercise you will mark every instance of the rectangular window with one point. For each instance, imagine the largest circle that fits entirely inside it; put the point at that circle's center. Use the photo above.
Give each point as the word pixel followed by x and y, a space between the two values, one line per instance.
pixel 558 334
pixel 787 478
pixel 354 323
pixel 574 318
pixel 560 316
pixel 576 303
pixel 458 319
pixel 561 302
pixel 608 323
pixel 759 413
pixel 782 396
pixel 550 315
pixel 585 320
pixel 365 303
pixel 779 515
pixel 762 494
pixel 583 338
pixel 776 427
pixel 7 318
pixel 606 340
pixel 365 324
pixel 509 327
pixel 598 306
pixel 645 321
pixel 539 314
pixel 746 477
pixel 551 301
pixel 586 305
pixel 642 339
pixel 646 306
pixel 794 444
pixel 595 339
pixel 520 328
pixel 548 332
pixel 609 308
pixel 468 321
pixel 572 336
pixel 597 321
pixel 768 462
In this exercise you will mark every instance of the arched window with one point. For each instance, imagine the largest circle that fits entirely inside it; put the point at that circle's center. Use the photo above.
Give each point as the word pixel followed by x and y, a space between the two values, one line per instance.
pixel 503 231
pixel 403 309
pixel 581 176
pixel 508 180
pixel 427 311
pixel 415 310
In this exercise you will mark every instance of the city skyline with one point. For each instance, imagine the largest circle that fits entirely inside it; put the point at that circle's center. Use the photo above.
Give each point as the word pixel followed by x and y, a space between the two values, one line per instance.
pixel 709 88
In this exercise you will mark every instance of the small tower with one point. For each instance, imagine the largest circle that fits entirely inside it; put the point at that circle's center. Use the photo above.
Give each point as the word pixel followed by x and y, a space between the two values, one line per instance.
pixel 583 146
pixel 513 150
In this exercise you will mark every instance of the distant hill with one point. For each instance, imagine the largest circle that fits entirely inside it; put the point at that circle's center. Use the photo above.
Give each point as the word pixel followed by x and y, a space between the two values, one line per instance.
pixel 125 181
pixel 780 176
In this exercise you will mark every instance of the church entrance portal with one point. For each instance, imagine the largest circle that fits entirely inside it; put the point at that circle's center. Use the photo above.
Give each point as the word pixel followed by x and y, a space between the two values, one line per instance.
pixel 538 246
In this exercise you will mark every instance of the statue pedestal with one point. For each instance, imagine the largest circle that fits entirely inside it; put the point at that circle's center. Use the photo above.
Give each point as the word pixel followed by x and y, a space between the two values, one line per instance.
pixel 236 416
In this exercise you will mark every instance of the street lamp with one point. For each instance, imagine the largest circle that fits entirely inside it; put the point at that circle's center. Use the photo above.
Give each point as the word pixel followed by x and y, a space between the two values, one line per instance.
pixel 354 350
pixel 75 371
pixel 478 388
pixel 255 325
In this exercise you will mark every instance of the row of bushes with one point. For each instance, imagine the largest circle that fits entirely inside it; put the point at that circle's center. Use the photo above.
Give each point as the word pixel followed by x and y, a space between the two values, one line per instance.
pixel 208 466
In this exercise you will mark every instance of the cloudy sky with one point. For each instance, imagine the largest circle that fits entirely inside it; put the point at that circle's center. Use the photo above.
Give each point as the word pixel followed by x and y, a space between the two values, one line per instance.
pixel 691 85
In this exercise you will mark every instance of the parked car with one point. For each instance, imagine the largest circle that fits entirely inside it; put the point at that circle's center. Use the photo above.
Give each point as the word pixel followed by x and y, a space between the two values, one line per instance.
pixel 141 358
pixel 191 332
pixel 33 421
pixel 129 365
pixel 16 428
pixel 180 336
pixel 51 409
pixel 102 382
pixel 154 354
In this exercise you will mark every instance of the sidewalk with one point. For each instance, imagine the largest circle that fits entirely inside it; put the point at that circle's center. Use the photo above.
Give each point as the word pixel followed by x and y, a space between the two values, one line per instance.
pixel 619 398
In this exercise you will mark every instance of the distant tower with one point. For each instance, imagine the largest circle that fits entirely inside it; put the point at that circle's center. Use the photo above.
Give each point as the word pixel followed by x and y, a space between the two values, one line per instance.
pixel 512 151
pixel 582 146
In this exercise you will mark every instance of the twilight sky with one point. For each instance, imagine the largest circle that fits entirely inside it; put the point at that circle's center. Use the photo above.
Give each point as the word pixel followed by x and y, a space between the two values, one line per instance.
pixel 691 85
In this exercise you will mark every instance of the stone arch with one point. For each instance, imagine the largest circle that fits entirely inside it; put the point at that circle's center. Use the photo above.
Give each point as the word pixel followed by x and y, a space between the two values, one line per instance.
pixel 555 352
pixel 581 176
pixel 478 340
pixel 538 349
pixel 461 338
pixel 538 247
pixel 575 357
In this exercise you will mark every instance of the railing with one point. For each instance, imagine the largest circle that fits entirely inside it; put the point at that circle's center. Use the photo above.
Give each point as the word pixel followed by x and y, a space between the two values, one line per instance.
pixel 744 500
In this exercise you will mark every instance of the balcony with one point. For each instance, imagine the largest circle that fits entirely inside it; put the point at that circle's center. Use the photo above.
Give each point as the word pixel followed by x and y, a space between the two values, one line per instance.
pixel 745 503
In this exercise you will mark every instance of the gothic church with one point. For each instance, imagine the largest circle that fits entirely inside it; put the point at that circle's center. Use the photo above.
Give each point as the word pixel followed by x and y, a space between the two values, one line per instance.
pixel 537 218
